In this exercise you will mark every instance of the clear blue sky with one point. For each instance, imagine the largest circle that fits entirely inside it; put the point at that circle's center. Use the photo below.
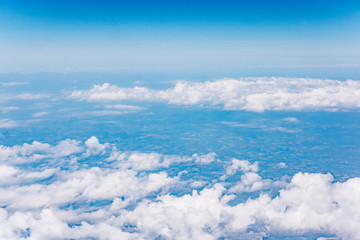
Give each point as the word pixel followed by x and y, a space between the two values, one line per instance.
pixel 136 35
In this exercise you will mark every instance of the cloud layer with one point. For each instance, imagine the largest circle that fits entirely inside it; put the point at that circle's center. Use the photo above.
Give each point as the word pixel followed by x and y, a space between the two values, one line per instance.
pixel 249 94
pixel 93 190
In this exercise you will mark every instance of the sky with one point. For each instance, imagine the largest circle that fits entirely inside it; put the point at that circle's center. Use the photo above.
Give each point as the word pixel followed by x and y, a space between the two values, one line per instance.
pixel 177 35
pixel 179 119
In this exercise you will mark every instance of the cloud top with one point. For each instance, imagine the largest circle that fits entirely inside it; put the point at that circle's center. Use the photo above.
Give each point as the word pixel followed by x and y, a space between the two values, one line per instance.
pixel 249 94
pixel 92 190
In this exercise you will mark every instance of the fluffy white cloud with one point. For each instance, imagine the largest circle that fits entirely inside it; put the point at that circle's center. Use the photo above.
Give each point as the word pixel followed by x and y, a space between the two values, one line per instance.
pixel 126 196
pixel 150 161
pixel 93 147
pixel 250 94
pixel 83 186
pixel 243 165
pixel 73 151
pixel 37 151
pixel 310 204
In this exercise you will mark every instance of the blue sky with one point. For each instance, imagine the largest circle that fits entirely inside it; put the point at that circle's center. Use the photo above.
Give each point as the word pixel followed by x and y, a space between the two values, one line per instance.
pixel 179 120
pixel 177 35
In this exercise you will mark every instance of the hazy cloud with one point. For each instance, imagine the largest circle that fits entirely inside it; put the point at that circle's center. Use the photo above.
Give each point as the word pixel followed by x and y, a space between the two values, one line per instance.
pixel 7 123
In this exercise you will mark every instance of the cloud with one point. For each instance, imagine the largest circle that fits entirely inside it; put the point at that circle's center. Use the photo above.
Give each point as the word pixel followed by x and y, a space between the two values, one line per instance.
pixel 7 123
pixel 93 147
pixel 10 84
pixel 310 204
pixel 291 120
pixel 243 165
pixel 92 190
pixel 37 151
pixel 124 107
pixel 23 96
pixel 116 110
pixel 70 151
pixel 151 161
pixel 40 114
pixel 107 112
pixel 249 94
pixel 7 109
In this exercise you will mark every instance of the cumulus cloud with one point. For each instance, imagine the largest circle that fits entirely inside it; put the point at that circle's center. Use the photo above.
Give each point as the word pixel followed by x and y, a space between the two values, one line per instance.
pixel 151 161
pixel 37 151
pixel 93 147
pixel 243 165
pixel 132 195
pixel 249 94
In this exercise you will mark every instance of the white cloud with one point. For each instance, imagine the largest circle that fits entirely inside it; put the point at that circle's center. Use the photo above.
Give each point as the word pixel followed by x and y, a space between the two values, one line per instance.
pixel 282 165
pixel 310 204
pixel 10 84
pixel 93 147
pixel 124 107
pixel 250 182
pixel 23 96
pixel 132 195
pixel 7 123
pixel 12 175
pixel 151 161
pixel 6 109
pixel 40 114
pixel 291 119
pixel 197 184
pixel 243 165
pixel 37 151
pixel 249 94
pixel 204 159
pixel 83 186
pixel 6 172
pixel 107 112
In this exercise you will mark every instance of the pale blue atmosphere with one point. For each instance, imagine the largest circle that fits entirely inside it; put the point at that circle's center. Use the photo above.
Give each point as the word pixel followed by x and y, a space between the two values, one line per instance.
pixel 179 120
pixel 178 36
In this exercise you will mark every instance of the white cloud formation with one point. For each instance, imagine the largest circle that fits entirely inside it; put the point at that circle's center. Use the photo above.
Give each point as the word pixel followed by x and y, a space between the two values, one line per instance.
pixel 151 161
pixel 310 204
pixel 93 147
pixel 10 84
pixel 249 94
pixel 132 195
pixel 243 165
pixel 291 120
pixel 7 123
pixel 124 107
pixel 7 109
pixel 23 96
pixel 40 114
pixel 37 151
